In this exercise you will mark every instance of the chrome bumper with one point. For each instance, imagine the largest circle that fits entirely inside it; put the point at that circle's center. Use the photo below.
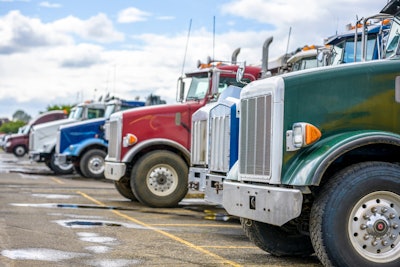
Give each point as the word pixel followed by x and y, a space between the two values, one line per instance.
pixel 268 204
pixel 114 170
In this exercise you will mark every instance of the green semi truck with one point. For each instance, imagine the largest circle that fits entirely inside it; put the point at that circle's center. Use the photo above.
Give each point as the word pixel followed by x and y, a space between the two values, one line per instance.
pixel 319 161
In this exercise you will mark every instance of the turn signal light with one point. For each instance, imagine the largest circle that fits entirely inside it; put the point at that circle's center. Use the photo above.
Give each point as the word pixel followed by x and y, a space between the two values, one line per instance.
pixel 129 140
pixel 301 135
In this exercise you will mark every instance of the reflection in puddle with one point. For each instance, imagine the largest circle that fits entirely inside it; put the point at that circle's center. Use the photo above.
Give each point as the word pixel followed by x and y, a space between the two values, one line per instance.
pixel 113 263
pixel 96 223
pixel 41 254
pixel 67 206
pixel 98 249
pixel 53 196
pixel 95 238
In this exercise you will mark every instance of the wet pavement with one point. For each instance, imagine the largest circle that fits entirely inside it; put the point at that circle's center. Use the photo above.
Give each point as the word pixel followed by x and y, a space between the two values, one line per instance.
pixel 49 220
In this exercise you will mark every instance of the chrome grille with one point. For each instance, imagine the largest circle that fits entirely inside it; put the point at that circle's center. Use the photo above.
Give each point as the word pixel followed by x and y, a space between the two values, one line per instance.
pixel 58 142
pixel 219 139
pixel 199 142
pixel 114 140
pixel 255 136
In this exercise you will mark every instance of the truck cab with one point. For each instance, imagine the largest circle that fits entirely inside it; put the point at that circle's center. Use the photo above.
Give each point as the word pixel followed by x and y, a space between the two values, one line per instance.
pixel 82 144
pixel 148 155
pixel 43 137
pixel 318 167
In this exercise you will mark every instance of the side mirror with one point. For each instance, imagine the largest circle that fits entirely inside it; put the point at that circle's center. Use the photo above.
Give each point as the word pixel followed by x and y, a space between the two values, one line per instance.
pixel 181 90
pixel 215 83
pixel 240 72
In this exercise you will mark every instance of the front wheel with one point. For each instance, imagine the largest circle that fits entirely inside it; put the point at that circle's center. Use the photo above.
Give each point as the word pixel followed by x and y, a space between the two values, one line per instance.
pixel 355 220
pixel 60 169
pixel 123 187
pixel 285 240
pixel 92 163
pixel 19 151
pixel 160 179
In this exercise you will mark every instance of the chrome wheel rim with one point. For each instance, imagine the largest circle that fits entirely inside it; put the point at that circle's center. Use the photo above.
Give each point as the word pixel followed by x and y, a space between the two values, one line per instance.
pixel 373 227
pixel 162 180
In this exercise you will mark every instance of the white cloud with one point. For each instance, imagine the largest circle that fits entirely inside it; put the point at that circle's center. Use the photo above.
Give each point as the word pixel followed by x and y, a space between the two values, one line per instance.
pixel 97 28
pixel 65 59
pixel 49 5
pixel 20 33
pixel 132 14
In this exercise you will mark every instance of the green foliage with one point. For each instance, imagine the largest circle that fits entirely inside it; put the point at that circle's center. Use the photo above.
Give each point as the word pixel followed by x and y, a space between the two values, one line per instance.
pixel 11 127
pixel 60 107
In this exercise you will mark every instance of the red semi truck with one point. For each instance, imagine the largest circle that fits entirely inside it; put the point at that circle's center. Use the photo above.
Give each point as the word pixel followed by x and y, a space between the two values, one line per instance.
pixel 149 148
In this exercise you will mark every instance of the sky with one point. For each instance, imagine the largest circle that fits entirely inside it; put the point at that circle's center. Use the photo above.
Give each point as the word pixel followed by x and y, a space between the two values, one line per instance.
pixel 67 51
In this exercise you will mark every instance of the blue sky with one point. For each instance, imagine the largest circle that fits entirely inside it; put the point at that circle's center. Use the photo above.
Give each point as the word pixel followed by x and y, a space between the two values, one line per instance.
pixel 65 51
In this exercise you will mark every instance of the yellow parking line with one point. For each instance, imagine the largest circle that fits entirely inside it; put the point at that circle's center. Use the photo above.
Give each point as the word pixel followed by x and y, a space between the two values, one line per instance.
pixel 58 181
pixel 173 237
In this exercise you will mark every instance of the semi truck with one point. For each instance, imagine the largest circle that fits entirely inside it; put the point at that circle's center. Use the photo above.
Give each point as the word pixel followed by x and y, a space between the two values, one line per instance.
pixel 18 143
pixel 149 148
pixel 43 137
pixel 318 165
pixel 82 144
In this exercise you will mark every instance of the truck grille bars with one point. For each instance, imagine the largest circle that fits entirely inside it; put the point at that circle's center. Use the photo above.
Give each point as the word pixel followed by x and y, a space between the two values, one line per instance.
pixel 255 137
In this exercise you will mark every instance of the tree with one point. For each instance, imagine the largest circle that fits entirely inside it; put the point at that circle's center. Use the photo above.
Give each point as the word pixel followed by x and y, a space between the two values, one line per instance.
pixel 65 107
pixel 11 127
pixel 20 115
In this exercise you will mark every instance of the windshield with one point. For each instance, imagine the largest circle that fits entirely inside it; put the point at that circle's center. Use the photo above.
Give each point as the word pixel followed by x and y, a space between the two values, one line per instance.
pixel 343 52
pixel 77 114
pixel 196 88
pixel 26 129
pixel 110 109
pixel 305 63
pixel 393 40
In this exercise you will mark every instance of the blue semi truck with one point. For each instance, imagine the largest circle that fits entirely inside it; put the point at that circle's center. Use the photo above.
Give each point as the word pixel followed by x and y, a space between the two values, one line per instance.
pixel 83 145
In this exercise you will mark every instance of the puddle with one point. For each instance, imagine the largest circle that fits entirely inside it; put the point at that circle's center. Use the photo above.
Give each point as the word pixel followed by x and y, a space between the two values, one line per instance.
pixel 76 216
pixel 113 263
pixel 95 238
pixel 98 249
pixel 68 206
pixel 41 254
pixel 54 196
pixel 96 223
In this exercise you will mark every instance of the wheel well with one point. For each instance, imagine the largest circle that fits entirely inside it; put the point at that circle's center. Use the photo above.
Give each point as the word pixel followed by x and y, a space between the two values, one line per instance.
pixel 154 147
pixel 371 152
pixel 86 149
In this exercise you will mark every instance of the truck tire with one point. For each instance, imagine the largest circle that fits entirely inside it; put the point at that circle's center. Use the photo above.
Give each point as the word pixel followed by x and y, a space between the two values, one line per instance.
pixel 123 187
pixel 60 169
pixel 19 151
pixel 92 163
pixel 160 179
pixel 355 220
pixel 283 240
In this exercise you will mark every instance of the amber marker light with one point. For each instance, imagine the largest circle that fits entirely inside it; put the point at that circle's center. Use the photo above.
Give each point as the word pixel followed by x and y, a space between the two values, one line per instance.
pixel 312 134
pixel 129 140
pixel 302 134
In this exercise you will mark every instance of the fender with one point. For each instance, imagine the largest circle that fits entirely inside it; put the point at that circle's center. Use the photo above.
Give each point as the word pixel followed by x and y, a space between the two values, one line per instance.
pixel 309 166
pixel 155 142
pixel 76 149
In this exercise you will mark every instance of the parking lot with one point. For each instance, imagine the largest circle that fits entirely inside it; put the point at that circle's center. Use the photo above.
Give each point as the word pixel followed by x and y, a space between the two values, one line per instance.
pixel 49 220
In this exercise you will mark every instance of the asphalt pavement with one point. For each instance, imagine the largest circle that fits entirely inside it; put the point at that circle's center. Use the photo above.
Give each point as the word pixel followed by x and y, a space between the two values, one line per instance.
pixel 49 220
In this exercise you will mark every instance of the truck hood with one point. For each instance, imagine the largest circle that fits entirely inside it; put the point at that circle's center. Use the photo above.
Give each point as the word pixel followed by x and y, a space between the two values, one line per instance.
pixel 158 109
pixel 52 125
pixel 75 133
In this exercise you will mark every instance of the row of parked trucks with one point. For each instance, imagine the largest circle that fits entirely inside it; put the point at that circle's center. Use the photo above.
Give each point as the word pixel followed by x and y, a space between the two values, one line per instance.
pixel 304 149
pixel 309 160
